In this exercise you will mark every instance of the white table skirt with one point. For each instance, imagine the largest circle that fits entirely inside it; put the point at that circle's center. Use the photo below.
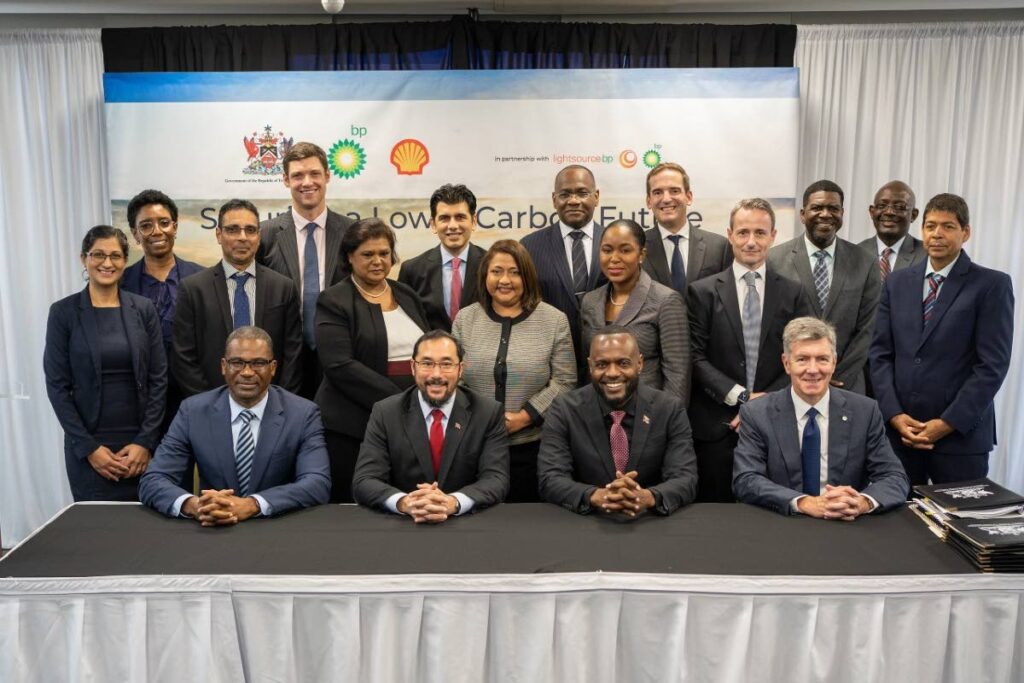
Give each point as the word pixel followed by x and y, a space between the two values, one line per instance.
pixel 550 627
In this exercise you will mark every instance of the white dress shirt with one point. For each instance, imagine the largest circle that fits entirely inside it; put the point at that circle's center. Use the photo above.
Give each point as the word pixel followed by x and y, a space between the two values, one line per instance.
pixel 944 273
pixel 882 246
pixel 587 241
pixel 319 238
pixel 830 260
pixel 738 271
pixel 670 247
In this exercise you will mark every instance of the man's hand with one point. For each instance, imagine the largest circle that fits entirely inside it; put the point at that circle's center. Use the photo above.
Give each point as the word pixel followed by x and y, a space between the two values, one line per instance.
pixel 836 503
pixel 108 464
pixel 220 507
pixel 135 457
pixel 909 430
pixel 624 495
pixel 734 424
pixel 428 504
pixel 934 430
pixel 515 422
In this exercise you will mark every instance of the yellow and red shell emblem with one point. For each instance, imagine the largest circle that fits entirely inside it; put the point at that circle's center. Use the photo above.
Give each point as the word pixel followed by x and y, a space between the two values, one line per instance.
pixel 409 156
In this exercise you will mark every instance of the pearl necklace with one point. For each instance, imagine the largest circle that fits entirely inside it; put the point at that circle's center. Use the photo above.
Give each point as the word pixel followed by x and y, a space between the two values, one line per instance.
pixel 371 294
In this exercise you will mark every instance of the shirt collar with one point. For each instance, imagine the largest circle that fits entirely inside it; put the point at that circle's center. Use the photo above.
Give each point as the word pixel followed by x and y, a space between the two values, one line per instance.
pixel 172 274
pixel 629 406
pixel 237 408
pixel 230 270
pixel 684 232
pixel 587 229
pixel 812 247
pixel 301 223
pixel 739 270
pixel 801 407
pixel 882 246
pixel 445 408
pixel 446 256
pixel 945 271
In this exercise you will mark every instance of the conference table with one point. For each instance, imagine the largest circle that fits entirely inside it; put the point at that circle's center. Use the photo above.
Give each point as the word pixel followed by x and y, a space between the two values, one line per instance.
pixel 117 592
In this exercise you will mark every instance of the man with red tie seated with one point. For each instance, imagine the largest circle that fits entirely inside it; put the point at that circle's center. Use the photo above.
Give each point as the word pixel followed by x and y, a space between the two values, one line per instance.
pixel 617 446
pixel 433 451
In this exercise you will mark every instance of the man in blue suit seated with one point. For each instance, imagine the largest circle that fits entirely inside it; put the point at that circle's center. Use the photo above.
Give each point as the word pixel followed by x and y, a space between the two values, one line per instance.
pixel 260 449
pixel 811 449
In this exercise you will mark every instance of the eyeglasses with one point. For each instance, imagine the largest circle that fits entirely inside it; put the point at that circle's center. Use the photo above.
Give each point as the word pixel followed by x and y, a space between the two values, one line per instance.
pixel 99 257
pixel 257 364
pixel 566 195
pixel 444 366
pixel 147 227
pixel 898 207
pixel 236 230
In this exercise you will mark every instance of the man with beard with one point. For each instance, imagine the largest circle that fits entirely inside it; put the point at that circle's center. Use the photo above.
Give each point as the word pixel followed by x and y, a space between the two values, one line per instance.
pixel 840 279
pixel 615 446
pixel 434 451
pixel 892 212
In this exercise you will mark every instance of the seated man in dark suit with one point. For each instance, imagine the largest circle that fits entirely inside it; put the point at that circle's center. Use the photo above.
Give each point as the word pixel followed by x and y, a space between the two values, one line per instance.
pixel 260 449
pixel 445 276
pixel 433 451
pixel 814 450
pixel 616 445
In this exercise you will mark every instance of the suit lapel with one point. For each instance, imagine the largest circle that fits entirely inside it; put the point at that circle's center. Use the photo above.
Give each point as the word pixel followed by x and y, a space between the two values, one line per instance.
pixel 656 256
pixel 725 289
pixel 222 440
pixel 131 321
pixel 262 289
pixel 594 274
pixel 785 429
pixel 473 259
pixel 333 233
pixel 416 434
pixel 641 428
pixel 290 247
pixel 947 294
pixel 220 291
pixel 435 271
pixel 593 419
pixel 695 261
pixel 839 274
pixel 803 271
pixel 271 429
pixel 905 256
pixel 838 436
pixel 87 315
pixel 635 301
pixel 557 247
pixel 457 424
pixel 771 304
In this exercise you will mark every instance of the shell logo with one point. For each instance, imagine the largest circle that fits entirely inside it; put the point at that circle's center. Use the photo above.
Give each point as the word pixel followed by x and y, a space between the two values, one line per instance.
pixel 409 156
pixel 628 158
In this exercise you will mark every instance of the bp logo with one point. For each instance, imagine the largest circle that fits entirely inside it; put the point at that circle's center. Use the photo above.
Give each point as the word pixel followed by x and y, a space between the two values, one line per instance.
pixel 347 158
pixel 651 158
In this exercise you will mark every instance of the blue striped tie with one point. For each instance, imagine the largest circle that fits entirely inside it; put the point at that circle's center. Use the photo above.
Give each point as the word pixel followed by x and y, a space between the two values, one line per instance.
pixel 751 326
pixel 580 275
pixel 821 278
pixel 244 451
pixel 934 282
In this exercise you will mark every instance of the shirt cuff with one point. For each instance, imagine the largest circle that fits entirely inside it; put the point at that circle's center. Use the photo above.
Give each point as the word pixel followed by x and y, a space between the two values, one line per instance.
pixel 734 395
pixel 535 417
pixel 178 502
pixel 392 502
pixel 265 509
pixel 794 506
pixel 465 503
pixel 874 503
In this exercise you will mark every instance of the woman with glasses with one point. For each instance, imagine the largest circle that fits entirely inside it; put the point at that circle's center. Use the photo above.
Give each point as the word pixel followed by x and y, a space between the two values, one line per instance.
pixel 518 350
pixel 366 326
pixel 106 374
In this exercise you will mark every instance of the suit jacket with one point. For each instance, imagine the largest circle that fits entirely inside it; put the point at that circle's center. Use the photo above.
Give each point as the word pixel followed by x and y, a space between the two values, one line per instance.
pixel 656 315
pixel 352 341
pixel 203 321
pixel 131 280
pixel 279 247
pixel 709 254
pixel 910 254
pixel 953 367
pixel 289 468
pixel 851 304
pixel 74 380
pixel 395 454
pixel 718 350
pixel 575 456
pixel 423 275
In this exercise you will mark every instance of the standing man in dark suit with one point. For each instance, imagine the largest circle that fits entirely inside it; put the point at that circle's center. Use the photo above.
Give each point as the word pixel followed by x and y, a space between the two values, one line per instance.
pixel 677 252
pixel 616 445
pixel 445 276
pixel 434 451
pixel 304 245
pixel 892 212
pixel 941 351
pixel 736 323
pixel 813 449
pixel 566 252
pixel 234 293
pixel 840 280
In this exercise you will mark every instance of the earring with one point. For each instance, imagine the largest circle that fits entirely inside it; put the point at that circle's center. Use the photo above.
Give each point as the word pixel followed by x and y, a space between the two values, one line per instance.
pixel 85 274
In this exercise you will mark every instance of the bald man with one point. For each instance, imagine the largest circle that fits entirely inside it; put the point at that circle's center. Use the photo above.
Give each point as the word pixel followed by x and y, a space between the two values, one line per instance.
pixel 892 213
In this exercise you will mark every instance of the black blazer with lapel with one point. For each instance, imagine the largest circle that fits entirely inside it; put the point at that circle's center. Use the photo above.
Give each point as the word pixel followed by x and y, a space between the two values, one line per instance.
pixel 74 380
pixel 423 275
pixel 395 455
pixel 709 254
pixel 352 341
pixel 279 247
pixel 203 321
pixel 575 455
pixel 719 353
pixel 910 254
pixel 132 278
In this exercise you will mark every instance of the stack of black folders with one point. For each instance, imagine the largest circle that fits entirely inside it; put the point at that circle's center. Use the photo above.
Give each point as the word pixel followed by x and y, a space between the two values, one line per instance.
pixel 979 518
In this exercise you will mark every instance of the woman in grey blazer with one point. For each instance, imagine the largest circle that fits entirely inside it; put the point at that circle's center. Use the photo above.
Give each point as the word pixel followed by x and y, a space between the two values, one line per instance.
pixel 653 312
pixel 518 350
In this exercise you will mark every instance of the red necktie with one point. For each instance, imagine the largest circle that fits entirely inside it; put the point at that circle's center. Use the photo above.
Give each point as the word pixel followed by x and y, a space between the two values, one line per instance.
pixel 883 263
pixel 453 305
pixel 618 441
pixel 436 439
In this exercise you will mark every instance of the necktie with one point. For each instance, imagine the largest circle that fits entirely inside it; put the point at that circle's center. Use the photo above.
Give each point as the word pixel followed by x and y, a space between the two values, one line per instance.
pixel 751 326
pixel 821 278
pixel 678 269
pixel 579 262
pixel 310 286
pixel 618 441
pixel 242 317
pixel 934 281
pixel 883 263
pixel 456 294
pixel 810 455
pixel 436 439
pixel 244 450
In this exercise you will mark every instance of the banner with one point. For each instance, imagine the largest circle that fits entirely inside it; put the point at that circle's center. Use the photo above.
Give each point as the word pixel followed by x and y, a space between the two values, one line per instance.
pixel 393 137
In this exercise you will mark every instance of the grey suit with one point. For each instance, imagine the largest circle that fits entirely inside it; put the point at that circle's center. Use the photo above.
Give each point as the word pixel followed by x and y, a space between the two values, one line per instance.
pixel 768 470
pixel 851 304
pixel 911 252
pixel 708 254
pixel 657 316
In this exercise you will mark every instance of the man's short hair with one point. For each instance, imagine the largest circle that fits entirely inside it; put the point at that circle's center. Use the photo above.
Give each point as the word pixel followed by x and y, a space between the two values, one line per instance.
pixel 250 332
pixel 438 334
pixel 304 150
pixel 823 186
pixel 612 330
pixel 952 203
pixel 452 194
pixel 753 204
pixel 668 166
pixel 807 329
pixel 576 167
pixel 148 198
pixel 234 204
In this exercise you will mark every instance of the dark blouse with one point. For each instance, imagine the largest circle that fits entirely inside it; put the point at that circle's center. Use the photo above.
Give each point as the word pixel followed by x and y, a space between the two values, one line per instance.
pixel 119 410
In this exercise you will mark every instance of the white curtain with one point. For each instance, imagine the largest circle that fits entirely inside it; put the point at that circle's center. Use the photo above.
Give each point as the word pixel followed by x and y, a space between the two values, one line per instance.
pixel 940 106
pixel 53 187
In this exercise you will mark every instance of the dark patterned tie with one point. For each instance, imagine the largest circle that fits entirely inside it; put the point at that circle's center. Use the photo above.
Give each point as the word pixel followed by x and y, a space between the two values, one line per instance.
pixel 618 441
pixel 810 455
pixel 242 316
pixel 310 286
pixel 245 449
pixel 751 326
pixel 821 278
pixel 678 268
pixel 579 262
pixel 934 282
pixel 436 439
pixel 456 289
pixel 883 263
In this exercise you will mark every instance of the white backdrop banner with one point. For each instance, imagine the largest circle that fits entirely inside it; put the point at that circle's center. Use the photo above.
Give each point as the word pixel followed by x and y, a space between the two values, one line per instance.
pixel 394 137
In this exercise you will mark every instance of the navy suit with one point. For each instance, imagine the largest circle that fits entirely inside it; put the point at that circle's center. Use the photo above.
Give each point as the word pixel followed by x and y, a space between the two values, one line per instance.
pixel 289 468
pixel 424 274
pixel 950 368
pixel 131 280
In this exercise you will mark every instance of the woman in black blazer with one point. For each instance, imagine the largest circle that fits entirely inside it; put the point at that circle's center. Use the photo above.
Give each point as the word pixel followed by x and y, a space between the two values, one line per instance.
pixel 106 375
pixel 366 326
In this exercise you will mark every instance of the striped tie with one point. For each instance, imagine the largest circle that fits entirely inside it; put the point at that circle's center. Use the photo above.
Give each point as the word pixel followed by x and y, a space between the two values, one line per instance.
pixel 821 278
pixel 244 451
pixel 934 282
pixel 751 326
pixel 883 263
pixel 579 262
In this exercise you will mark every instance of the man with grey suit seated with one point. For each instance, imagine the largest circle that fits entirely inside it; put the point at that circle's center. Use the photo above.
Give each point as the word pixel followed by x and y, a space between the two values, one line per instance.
pixel 813 449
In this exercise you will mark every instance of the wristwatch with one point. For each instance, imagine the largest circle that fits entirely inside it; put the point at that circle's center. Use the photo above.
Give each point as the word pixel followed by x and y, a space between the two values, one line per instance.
pixel 743 397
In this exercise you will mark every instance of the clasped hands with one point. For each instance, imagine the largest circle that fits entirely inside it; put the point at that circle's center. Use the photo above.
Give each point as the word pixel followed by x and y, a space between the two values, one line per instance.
pixel 130 461
pixel 837 502
pixel 428 504
pixel 920 435
pixel 222 507
pixel 623 496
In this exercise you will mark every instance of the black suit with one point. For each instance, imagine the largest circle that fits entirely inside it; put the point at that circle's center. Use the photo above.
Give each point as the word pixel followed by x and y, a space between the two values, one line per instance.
pixel 575 454
pixel 719 364
pixel 423 274
pixel 203 320
pixel 709 254
pixel 395 455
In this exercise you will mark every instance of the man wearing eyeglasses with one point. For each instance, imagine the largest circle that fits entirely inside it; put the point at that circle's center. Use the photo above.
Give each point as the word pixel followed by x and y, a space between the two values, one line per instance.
pixel 260 449
pixel 892 213
pixel 234 293
pixel 436 450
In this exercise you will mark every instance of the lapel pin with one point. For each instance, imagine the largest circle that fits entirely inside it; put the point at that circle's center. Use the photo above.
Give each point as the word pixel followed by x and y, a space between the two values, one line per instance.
pixel 458 426
pixel 844 418
pixel 647 420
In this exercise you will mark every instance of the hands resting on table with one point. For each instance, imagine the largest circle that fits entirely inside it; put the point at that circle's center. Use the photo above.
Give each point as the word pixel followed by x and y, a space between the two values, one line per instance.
pixel 624 496
pixel 219 507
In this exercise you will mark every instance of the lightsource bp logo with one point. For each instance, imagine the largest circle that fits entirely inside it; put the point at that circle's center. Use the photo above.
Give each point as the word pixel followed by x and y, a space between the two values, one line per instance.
pixel 346 158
